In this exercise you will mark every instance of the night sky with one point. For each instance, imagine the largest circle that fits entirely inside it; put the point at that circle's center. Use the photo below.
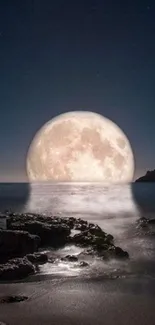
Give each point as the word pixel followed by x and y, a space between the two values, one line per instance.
pixel 57 56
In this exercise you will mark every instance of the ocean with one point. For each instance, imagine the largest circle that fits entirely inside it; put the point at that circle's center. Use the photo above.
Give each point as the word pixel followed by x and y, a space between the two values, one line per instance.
pixel 114 292
pixel 116 208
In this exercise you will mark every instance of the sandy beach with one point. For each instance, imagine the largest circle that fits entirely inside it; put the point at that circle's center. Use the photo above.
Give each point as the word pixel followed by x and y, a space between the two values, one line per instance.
pixel 77 301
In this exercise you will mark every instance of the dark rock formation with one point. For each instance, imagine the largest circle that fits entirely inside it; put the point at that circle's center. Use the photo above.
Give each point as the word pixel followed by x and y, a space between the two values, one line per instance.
pixel 70 258
pixel 15 269
pixel 12 299
pixel 52 234
pixel 16 243
pixel 37 258
pixel 55 231
pixel 148 177
pixel 107 253
pixel 94 237
pixel 27 231
pixel 99 243
pixel 83 264
pixel 146 224
pixel 119 252
pixel 80 225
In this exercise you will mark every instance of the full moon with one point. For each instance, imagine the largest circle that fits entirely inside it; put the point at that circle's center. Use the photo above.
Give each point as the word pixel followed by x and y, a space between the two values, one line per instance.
pixel 80 146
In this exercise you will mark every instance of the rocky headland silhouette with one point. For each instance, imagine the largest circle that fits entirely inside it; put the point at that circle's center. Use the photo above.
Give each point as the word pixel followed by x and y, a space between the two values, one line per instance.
pixel 148 177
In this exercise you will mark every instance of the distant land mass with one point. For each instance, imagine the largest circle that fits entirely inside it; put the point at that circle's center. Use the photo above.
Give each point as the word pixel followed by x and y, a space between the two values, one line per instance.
pixel 148 177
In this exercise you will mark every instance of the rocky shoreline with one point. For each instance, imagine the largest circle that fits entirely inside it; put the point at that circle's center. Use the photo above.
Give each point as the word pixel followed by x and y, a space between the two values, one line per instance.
pixel 27 234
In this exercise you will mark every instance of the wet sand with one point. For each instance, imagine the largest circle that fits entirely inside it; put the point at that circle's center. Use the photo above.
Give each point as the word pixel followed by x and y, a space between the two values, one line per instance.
pixel 77 301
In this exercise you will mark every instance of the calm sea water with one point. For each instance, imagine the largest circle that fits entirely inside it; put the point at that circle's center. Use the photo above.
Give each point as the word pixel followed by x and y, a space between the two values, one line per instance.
pixel 115 208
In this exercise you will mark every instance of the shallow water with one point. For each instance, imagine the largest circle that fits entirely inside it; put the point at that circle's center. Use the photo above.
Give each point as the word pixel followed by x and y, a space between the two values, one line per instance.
pixel 115 208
